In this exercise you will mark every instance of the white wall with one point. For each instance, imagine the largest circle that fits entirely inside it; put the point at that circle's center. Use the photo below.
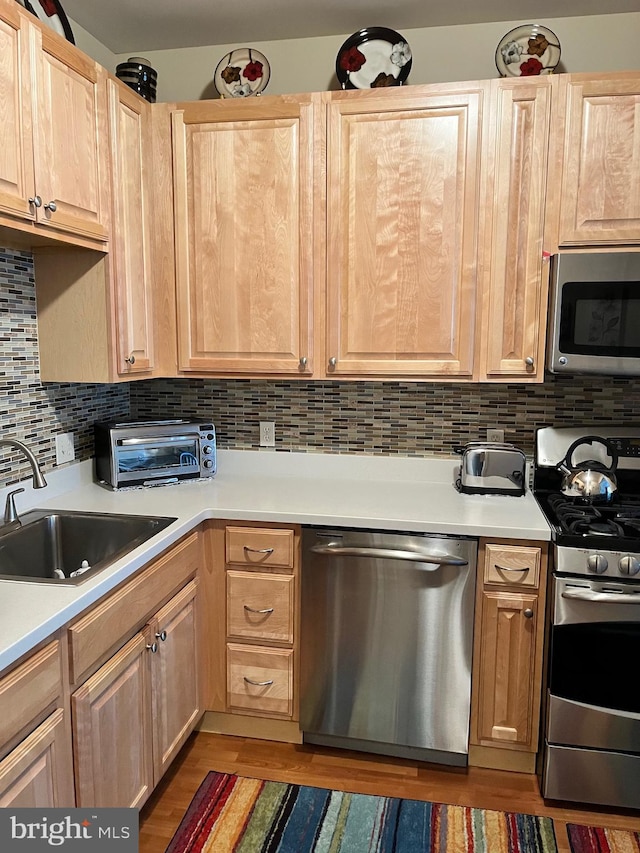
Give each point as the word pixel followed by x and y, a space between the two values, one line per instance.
pixel 93 48
pixel 440 54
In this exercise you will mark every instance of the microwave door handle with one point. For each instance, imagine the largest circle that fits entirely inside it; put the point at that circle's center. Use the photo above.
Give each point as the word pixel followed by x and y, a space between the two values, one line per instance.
pixel 601 597
pixel 165 439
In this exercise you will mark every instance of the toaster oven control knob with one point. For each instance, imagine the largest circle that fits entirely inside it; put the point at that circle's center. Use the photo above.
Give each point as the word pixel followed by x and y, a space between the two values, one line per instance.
pixel 597 563
pixel 208 463
pixel 629 565
pixel 207 449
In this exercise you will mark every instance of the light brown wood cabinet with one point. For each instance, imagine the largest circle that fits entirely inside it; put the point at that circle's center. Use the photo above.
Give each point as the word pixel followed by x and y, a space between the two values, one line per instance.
pixel 515 270
pixel 595 157
pixel 252 601
pixel 103 304
pixel 243 185
pixel 36 768
pixel 142 693
pixel 507 661
pixel 53 163
pixel 403 212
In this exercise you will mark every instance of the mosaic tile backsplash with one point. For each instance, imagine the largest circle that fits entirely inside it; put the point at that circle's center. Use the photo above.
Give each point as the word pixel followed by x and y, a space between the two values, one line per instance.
pixel 32 411
pixel 409 419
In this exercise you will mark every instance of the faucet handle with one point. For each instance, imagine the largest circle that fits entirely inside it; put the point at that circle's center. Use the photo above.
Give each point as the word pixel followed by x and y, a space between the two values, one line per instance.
pixel 10 511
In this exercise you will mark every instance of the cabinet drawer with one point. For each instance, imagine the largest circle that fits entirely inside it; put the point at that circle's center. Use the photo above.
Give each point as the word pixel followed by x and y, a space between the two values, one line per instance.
pixel 260 606
pixel 28 690
pixel 260 679
pixel 516 565
pixel 259 547
pixel 120 614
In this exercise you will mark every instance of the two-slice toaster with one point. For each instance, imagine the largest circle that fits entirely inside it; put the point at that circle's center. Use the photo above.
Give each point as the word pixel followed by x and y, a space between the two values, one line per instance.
pixel 492 469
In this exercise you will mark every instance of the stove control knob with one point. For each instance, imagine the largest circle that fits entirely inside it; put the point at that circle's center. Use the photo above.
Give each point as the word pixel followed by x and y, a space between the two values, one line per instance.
pixel 629 565
pixel 597 563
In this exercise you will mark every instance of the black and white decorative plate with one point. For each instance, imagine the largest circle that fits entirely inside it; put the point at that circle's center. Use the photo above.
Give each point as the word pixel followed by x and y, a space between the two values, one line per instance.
pixel 527 51
pixel 51 13
pixel 242 73
pixel 373 58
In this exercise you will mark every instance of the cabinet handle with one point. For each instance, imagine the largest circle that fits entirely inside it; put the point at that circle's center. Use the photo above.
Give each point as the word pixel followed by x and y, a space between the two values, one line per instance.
pixel 258 550
pixel 332 362
pixel 303 363
pixel 529 361
pixel 510 568
pixel 258 683
pixel 152 647
pixel 51 205
pixel 161 635
pixel 36 201
pixel 528 613
pixel 131 359
pixel 251 610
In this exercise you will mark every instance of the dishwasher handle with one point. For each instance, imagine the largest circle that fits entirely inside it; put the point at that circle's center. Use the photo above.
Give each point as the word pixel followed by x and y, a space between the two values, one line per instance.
pixel 333 550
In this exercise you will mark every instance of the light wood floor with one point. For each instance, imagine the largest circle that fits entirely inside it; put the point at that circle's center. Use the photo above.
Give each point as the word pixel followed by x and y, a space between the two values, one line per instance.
pixel 366 774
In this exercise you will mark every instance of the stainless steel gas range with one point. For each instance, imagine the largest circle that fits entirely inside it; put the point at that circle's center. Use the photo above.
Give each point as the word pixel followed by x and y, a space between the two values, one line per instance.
pixel 592 728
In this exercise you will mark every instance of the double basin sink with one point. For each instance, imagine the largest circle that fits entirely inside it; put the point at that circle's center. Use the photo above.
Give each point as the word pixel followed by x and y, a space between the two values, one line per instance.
pixel 67 547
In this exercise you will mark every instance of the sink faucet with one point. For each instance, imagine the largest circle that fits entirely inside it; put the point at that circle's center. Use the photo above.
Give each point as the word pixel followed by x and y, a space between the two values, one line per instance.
pixel 39 482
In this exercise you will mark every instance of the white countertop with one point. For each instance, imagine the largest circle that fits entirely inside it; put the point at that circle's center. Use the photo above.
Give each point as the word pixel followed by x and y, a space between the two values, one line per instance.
pixel 381 492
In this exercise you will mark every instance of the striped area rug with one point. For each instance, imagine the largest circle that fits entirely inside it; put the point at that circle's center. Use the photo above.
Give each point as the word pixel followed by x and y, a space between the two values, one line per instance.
pixel 233 813
pixel 595 839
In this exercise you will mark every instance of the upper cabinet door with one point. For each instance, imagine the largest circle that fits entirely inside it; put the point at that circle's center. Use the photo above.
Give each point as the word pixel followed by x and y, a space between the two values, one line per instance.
pixel 243 175
pixel 516 271
pixel 600 191
pixel 130 256
pixel 403 198
pixel 16 152
pixel 69 137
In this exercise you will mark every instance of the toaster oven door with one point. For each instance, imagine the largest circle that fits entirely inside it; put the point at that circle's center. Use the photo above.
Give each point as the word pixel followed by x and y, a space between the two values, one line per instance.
pixel 140 461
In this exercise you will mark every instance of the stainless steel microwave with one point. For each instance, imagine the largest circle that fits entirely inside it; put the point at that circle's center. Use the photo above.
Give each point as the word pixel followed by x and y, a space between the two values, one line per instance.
pixel 594 317
pixel 153 453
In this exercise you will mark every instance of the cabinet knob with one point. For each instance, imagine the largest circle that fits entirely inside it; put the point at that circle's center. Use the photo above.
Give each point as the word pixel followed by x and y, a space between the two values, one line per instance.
pixel 36 201
pixel 530 361
pixel 303 363
pixel 332 362
pixel 161 635
pixel 152 647
pixel 528 613
pixel 51 206
pixel 131 359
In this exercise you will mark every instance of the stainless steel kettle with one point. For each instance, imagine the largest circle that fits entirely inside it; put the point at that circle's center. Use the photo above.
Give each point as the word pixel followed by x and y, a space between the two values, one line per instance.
pixel 591 480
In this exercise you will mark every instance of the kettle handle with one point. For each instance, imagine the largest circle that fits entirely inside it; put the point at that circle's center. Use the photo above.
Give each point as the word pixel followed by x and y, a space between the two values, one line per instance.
pixel 567 462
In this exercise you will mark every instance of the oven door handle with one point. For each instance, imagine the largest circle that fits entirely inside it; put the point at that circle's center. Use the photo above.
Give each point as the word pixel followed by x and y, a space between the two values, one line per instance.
pixel 601 597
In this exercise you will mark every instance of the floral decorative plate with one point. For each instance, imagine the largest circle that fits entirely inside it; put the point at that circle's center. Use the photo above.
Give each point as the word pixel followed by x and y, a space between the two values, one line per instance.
pixel 241 73
pixel 50 12
pixel 527 51
pixel 373 58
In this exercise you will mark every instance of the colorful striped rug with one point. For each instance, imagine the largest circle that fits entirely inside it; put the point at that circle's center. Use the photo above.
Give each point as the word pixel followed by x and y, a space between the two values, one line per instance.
pixel 595 839
pixel 233 813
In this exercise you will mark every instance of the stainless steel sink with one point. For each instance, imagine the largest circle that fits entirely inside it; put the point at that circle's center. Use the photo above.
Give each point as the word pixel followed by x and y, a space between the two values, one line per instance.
pixel 68 547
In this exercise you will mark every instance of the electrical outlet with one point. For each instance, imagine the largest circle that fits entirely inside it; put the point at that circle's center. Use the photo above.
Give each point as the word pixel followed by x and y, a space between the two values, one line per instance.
pixel 495 435
pixel 65 451
pixel 267 434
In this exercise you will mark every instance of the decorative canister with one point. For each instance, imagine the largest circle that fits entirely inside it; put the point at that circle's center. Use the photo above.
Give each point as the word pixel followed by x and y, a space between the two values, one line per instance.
pixel 137 73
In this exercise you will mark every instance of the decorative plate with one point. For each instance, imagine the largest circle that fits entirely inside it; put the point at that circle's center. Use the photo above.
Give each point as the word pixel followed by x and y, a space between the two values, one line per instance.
pixel 242 73
pixel 373 58
pixel 527 51
pixel 50 12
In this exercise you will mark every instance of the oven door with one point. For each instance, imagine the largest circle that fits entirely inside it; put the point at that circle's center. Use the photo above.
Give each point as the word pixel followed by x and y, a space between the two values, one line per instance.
pixel 592 743
pixel 164 459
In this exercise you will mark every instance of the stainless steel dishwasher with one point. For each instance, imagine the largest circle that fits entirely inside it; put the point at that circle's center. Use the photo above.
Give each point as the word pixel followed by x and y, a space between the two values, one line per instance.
pixel 386 642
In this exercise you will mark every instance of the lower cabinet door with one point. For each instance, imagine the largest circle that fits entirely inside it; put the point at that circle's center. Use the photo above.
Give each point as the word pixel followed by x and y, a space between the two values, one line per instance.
pixel 37 773
pixel 112 731
pixel 505 708
pixel 174 676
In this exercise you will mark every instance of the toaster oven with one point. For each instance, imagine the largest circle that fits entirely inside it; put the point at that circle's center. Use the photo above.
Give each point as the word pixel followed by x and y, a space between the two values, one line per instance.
pixel 153 453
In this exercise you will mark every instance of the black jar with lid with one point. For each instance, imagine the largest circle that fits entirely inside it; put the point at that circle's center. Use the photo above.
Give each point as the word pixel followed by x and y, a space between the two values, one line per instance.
pixel 137 73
